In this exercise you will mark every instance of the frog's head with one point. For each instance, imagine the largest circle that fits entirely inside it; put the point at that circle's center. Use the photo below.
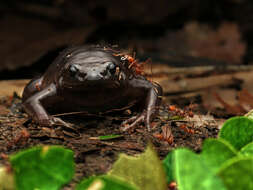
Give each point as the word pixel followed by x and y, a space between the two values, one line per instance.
pixel 92 67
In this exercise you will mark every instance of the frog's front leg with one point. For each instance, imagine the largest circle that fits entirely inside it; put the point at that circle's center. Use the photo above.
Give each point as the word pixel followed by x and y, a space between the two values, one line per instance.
pixel 152 101
pixel 33 106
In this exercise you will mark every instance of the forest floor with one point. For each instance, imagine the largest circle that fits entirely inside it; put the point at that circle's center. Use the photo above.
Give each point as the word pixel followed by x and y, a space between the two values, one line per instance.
pixel 199 93
pixel 173 127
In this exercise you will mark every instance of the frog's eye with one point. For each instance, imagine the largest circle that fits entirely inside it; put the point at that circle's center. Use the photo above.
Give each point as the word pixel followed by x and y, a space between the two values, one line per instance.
pixel 73 70
pixel 111 68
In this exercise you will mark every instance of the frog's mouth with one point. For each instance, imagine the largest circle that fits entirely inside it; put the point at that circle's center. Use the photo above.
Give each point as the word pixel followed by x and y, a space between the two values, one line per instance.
pixel 76 85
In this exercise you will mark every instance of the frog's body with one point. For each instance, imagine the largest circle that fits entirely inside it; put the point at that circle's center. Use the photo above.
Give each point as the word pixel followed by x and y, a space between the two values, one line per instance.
pixel 91 79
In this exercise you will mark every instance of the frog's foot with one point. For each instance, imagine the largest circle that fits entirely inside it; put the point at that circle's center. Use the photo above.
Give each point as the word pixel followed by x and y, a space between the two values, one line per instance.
pixel 135 120
pixel 58 121
pixel 53 121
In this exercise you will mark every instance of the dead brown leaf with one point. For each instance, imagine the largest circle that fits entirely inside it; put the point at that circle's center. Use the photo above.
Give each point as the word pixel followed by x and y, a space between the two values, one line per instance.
pixel 223 43
pixel 231 109
pixel 245 99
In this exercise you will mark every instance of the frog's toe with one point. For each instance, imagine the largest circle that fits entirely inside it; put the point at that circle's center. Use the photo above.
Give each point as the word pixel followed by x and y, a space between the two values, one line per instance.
pixel 132 122
pixel 52 121
pixel 44 122
pixel 57 121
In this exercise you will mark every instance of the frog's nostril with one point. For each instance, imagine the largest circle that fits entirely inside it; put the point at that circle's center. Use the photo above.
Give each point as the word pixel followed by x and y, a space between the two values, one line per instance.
pixel 103 73
pixel 83 75
pixel 73 69
pixel 111 68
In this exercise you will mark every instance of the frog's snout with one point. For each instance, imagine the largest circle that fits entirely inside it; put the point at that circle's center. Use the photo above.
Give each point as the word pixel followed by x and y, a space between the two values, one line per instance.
pixel 87 74
pixel 93 76
pixel 93 71
pixel 101 72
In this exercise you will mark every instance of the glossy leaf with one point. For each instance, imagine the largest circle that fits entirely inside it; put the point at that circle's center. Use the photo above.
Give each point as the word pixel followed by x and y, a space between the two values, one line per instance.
pixel 247 150
pixel 238 131
pixel 43 168
pixel 237 173
pixel 192 173
pixel 168 167
pixel 215 152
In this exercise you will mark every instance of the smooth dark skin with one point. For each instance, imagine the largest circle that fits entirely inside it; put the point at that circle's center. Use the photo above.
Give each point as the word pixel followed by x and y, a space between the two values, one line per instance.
pixel 90 79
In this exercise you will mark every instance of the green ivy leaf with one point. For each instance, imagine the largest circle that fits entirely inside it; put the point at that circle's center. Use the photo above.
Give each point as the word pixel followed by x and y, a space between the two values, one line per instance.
pixel 247 150
pixel 145 171
pixel 237 173
pixel 238 131
pixel 42 168
pixel 104 182
pixel 215 152
pixel 168 167
pixel 192 174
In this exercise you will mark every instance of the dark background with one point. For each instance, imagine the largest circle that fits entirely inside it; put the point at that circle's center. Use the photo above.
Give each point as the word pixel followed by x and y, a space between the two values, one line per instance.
pixel 178 32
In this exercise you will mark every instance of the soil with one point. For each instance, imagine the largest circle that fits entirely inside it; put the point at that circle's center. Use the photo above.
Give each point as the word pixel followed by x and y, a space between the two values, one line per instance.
pixel 97 156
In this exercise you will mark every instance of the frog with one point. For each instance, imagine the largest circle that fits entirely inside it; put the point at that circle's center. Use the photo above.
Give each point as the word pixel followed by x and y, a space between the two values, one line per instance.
pixel 92 79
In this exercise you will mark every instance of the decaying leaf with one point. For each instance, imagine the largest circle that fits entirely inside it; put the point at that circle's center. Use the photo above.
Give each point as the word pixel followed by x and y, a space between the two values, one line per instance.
pixel 223 43
pixel 231 109
pixel 145 171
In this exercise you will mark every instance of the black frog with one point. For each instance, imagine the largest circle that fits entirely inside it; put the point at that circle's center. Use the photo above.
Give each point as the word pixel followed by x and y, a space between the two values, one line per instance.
pixel 92 79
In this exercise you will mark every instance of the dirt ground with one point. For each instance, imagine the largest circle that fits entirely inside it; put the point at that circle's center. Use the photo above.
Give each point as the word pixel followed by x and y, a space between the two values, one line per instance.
pixel 97 156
